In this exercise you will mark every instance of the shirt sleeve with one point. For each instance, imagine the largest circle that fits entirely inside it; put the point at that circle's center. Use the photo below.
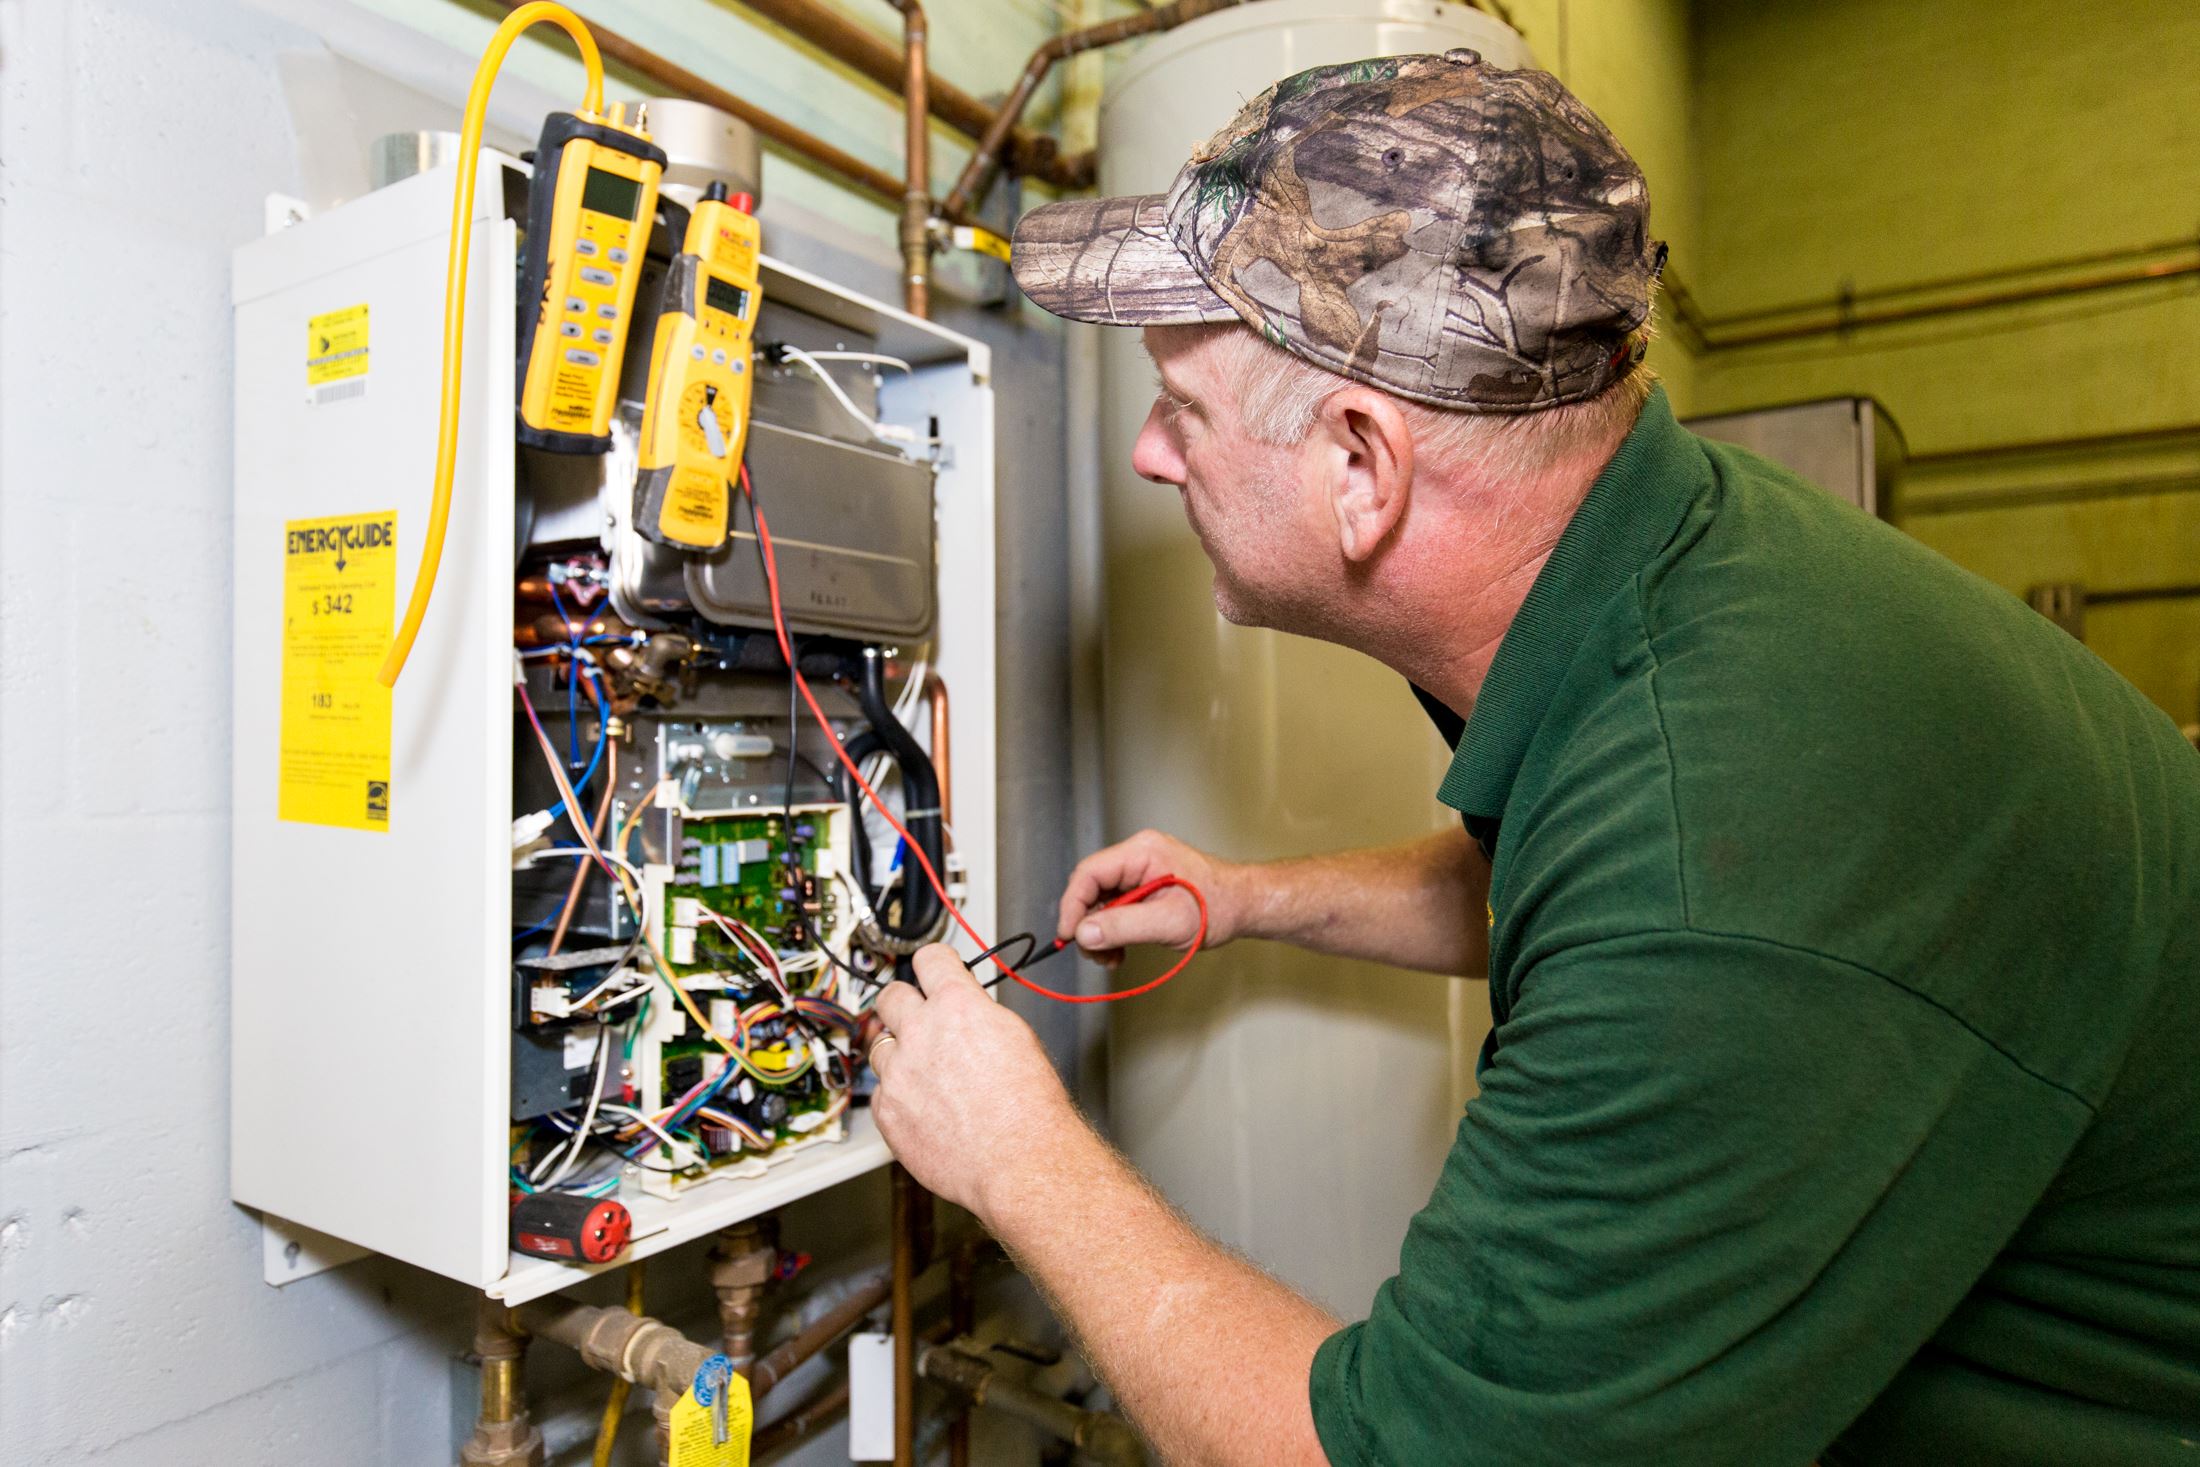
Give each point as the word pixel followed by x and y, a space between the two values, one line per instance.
pixel 1714 1194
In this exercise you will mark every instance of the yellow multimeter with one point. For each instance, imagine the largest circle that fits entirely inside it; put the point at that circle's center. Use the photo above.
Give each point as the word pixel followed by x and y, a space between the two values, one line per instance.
pixel 695 420
pixel 589 213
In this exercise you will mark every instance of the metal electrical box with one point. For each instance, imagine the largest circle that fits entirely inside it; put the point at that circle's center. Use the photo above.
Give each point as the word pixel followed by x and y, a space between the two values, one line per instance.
pixel 377 1004
pixel 1847 446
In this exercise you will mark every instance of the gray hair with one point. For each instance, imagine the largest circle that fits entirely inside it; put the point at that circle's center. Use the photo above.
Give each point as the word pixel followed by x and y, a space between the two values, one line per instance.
pixel 1279 395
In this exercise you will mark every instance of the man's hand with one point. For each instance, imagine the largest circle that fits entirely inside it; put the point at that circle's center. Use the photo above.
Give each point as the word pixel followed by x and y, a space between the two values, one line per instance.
pixel 1169 917
pixel 965 1090
pixel 1416 905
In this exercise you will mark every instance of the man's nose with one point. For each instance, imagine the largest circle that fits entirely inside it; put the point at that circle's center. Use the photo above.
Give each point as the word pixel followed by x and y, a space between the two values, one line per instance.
pixel 1154 456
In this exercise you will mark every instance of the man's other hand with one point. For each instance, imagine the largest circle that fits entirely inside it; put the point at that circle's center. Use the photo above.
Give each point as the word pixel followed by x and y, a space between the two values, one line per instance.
pixel 965 1090
pixel 1168 917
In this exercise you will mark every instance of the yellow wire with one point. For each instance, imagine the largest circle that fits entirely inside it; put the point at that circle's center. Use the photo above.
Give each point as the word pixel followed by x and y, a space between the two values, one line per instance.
pixel 454 292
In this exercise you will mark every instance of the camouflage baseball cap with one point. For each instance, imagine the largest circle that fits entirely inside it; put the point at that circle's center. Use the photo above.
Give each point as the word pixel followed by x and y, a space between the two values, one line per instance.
pixel 1452 232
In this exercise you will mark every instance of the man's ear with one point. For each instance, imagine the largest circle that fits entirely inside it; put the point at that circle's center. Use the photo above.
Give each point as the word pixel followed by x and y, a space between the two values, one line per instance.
pixel 1368 446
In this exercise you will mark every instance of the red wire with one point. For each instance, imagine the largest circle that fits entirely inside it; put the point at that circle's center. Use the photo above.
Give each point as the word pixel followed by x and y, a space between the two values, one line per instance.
pixel 786 650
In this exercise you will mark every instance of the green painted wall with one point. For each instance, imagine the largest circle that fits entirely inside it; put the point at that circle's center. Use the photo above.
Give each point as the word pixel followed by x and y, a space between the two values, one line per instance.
pixel 1630 62
pixel 1879 143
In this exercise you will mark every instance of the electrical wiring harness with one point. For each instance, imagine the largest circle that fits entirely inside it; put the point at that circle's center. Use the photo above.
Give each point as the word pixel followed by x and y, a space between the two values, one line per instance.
pixel 916 849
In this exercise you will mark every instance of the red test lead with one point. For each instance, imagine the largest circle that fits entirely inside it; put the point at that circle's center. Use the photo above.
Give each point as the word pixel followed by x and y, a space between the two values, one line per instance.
pixel 924 862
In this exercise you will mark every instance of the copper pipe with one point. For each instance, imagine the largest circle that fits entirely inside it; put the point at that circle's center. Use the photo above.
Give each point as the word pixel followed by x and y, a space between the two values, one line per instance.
pixel 977 174
pixel 962 1318
pixel 1099 1436
pixel 797 1425
pixel 866 1296
pixel 580 868
pixel 648 1352
pixel 502 1435
pixel 942 751
pixel 741 1266
pixel 1078 171
pixel 904 1316
pixel 680 81
pixel 877 58
pixel 916 198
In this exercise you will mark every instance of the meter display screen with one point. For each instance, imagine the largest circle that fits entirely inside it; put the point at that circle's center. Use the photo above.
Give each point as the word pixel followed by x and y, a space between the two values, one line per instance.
pixel 720 296
pixel 607 193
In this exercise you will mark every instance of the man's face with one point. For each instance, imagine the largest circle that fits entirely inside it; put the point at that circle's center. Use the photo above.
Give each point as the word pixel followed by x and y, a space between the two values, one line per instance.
pixel 1246 500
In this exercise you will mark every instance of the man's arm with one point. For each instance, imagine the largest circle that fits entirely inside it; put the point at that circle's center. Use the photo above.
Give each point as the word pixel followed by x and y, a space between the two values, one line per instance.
pixel 1416 905
pixel 1210 1356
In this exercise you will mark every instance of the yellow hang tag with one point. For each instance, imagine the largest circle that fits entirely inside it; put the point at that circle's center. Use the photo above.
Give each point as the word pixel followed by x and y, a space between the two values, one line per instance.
pixel 712 1419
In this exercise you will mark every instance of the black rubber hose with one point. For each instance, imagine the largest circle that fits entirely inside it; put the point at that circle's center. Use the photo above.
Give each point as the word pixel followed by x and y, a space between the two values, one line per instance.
pixel 920 798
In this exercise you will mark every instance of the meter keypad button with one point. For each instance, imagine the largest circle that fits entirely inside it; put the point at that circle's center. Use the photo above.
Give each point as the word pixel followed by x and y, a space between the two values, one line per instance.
pixel 719 356
pixel 700 354
pixel 581 358
pixel 609 313
pixel 617 256
pixel 602 336
pixel 584 247
pixel 569 328
pixel 575 303
pixel 598 277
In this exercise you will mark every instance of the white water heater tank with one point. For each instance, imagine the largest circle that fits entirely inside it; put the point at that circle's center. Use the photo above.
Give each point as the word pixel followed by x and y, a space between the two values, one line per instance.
pixel 1297 1107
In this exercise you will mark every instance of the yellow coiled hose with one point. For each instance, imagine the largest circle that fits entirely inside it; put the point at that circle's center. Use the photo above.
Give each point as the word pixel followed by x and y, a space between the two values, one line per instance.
pixel 454 292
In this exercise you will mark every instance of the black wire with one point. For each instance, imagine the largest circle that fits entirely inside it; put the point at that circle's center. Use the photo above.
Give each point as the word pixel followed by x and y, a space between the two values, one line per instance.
pixel 1031 945
pixel 794 739
pixel 1039 953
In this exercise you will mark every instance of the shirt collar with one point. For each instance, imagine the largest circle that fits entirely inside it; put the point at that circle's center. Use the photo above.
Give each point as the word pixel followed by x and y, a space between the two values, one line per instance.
pixel 1629 515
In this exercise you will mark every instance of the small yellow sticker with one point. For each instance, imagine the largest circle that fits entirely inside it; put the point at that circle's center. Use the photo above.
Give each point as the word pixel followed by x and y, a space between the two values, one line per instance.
pixel 339 604
pixel 695 1429
pixel 336 346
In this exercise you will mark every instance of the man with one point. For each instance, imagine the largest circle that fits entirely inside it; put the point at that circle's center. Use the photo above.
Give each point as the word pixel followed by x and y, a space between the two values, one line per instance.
pixel 1843 917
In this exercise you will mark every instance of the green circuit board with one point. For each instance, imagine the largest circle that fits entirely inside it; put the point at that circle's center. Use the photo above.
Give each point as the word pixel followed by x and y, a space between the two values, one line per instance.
pixel 737 866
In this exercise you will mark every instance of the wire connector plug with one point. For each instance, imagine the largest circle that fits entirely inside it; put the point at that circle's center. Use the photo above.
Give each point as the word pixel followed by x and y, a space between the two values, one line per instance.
pixel 527 833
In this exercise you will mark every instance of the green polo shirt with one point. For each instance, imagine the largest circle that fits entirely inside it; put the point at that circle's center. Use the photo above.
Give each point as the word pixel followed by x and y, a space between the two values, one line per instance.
pixel 1844 1096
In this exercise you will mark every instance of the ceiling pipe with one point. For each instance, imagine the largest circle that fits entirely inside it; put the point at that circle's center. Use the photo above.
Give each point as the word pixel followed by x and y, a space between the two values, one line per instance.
pixel 679 81
pixel 877 58
pixel 985 163
pixel 1843 315
pixel 916 142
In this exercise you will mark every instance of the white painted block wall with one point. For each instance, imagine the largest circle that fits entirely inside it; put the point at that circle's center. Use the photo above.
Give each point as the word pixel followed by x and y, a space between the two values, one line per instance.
pixel 137 140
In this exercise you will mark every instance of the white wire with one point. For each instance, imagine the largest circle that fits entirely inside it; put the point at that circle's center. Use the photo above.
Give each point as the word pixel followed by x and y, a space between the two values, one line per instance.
pixel 596 1074
pixel 618 976
pixel 816 368
pixel 860 356
pixel 579 854
pixel 900 438
pixel 662 1134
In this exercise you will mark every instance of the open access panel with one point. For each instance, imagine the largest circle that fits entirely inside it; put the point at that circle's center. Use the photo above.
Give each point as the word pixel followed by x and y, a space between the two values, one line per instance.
pixel 406 1046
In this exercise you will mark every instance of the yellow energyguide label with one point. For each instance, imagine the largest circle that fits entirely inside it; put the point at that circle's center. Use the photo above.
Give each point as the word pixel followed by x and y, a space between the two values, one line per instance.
pixel 339 606
pixel 336 346
pixel 695 1431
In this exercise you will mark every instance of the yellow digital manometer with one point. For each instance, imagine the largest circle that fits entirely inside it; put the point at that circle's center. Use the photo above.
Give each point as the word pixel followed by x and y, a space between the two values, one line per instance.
pixel 696 418
pixel 589 212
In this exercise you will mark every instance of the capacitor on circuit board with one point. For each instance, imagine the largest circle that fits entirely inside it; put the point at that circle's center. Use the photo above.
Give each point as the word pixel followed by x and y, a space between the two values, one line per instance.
pixel 570 1227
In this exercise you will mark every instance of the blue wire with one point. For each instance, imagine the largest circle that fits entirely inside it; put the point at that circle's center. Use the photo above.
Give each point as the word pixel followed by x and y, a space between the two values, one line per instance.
pixel 603 735
pixel 572 682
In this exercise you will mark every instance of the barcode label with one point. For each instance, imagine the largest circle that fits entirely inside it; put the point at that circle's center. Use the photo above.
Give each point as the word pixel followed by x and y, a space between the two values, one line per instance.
pixel 329 392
